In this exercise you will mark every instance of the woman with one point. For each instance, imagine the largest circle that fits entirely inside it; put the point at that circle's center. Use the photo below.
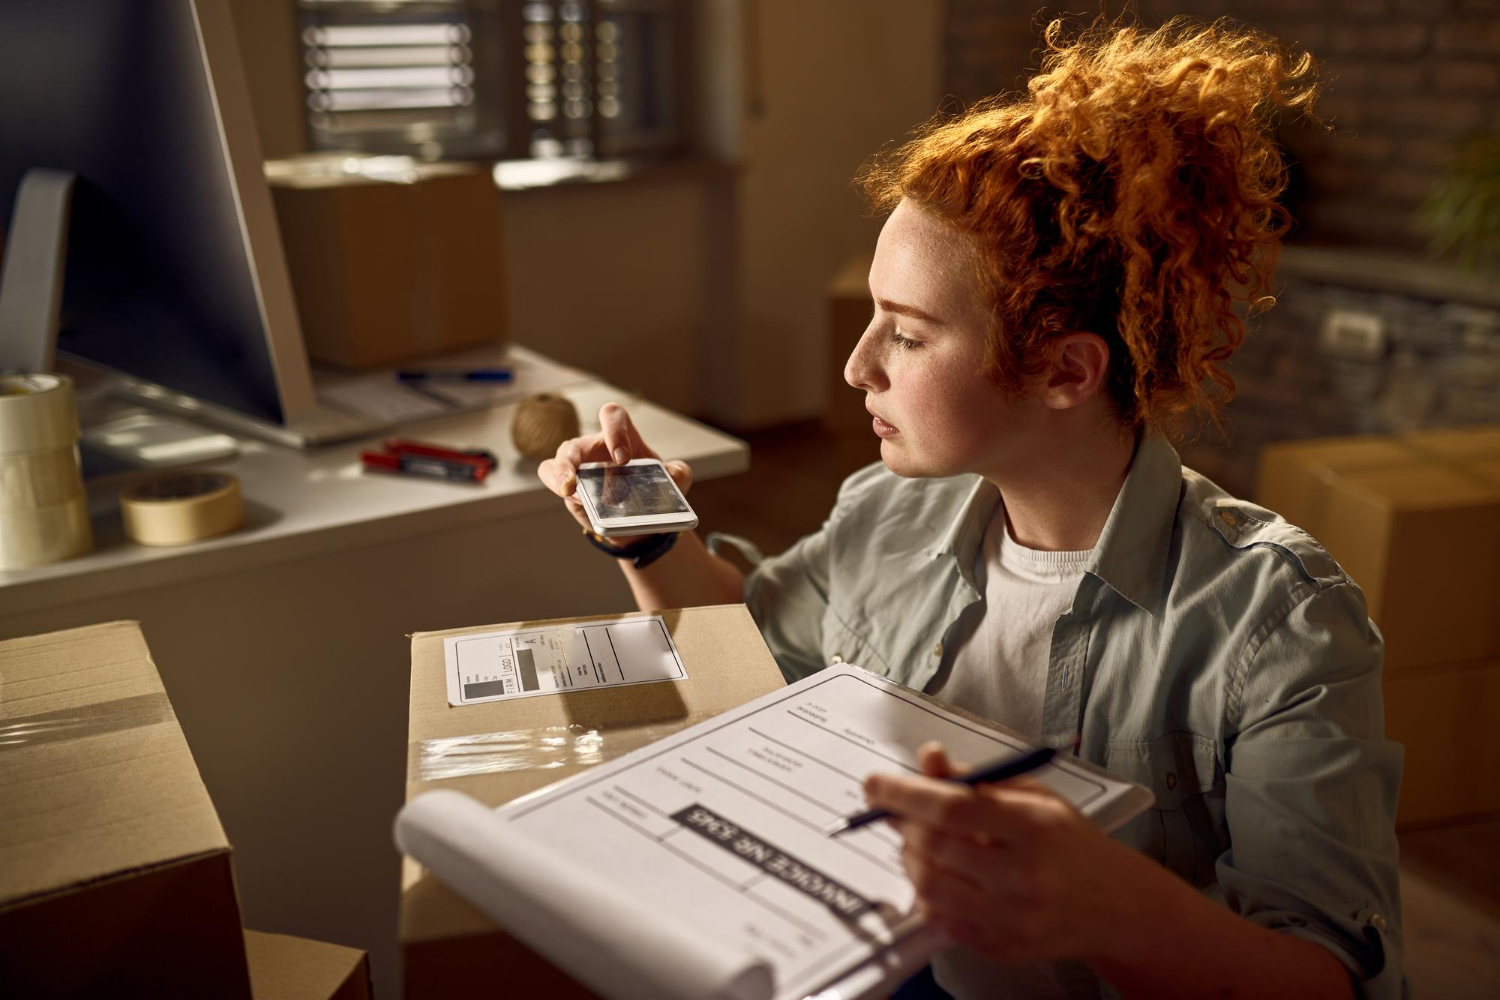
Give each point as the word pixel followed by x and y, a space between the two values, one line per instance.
pixel 1055 284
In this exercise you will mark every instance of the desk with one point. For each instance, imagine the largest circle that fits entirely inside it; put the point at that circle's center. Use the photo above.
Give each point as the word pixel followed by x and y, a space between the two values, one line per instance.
pixel 283 646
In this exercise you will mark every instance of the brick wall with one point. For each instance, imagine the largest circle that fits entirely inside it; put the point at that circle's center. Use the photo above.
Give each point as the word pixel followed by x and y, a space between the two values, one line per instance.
pixel 1406 78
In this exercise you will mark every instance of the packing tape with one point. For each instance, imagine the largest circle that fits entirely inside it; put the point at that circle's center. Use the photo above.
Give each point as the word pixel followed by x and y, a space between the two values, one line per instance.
pixel 91 720
pixel 181 508
pixel 536 749
pixel 37 413
pixel 39 478
pixel 33 536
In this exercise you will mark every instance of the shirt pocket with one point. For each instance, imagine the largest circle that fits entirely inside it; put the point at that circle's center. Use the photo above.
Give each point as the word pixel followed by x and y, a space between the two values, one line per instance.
pixel 845 643
pixel 1184 827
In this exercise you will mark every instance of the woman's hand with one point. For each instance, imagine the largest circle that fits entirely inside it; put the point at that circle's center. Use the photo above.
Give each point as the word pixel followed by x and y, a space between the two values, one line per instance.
pixel 1011 870
pixel 618 442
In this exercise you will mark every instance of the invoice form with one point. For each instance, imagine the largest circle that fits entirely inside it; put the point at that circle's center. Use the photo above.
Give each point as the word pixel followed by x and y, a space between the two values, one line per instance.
pixel 721 825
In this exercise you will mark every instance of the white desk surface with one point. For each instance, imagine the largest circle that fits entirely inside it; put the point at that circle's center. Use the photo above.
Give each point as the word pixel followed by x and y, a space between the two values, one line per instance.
pixel 304 502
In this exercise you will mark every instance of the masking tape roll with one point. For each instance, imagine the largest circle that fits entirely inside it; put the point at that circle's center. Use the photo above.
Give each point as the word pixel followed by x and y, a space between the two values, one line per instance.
pixel 39 479
pixel 182 508
pixel 32 536
pixel 37 413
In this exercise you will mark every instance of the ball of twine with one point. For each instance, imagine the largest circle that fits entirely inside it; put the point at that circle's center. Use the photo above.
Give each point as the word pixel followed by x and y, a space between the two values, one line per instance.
pixel 543 422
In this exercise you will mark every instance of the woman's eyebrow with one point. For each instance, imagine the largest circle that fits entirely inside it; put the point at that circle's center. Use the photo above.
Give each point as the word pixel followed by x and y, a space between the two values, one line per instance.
pixel 906 310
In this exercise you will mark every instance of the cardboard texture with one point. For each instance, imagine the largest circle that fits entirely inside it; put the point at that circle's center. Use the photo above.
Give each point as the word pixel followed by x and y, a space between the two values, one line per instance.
pixel 1445 718
pixel 385 271
pixel 292 968
pixel 1415 521
pixel 449 948
pixel 115 875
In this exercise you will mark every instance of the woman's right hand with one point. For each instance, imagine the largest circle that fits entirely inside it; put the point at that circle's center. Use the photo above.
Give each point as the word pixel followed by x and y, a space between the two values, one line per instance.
pixel 616 442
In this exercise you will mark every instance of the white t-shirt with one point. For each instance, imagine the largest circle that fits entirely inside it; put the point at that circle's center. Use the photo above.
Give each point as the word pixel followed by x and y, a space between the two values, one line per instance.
pixel 998 663
pixel 998 669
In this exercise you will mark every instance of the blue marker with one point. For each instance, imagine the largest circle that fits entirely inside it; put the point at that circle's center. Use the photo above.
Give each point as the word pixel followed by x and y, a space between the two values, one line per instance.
pixel 456 375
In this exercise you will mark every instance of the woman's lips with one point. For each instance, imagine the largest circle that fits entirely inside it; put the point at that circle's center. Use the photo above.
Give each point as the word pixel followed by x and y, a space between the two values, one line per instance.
pixel 883 429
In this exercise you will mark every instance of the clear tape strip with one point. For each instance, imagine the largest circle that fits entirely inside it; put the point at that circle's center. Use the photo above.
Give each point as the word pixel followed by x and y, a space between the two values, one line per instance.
pixel 92 720
pixel 539 749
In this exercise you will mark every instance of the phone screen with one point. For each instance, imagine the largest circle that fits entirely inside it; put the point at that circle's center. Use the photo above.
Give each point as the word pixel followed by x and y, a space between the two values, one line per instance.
pixel 632 491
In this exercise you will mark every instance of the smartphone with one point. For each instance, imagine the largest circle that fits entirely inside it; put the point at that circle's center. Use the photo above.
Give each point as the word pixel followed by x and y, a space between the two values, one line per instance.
pixel 637 498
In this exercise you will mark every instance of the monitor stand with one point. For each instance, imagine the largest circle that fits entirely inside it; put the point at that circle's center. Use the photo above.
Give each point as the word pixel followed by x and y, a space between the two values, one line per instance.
pixel 31 282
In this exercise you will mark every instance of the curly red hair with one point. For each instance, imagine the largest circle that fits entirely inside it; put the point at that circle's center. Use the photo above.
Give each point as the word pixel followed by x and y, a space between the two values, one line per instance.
pixel 1131 192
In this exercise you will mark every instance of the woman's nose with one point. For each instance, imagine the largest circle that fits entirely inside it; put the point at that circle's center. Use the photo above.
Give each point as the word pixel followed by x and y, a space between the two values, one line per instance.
pixel 862 370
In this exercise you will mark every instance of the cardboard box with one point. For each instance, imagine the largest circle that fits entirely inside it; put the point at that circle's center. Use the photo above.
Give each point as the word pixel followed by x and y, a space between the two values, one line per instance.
pixel 388 269
pixel 449 948
pixel 115 875
pixel 1415 521
pixel 292 968
pixel 1445 718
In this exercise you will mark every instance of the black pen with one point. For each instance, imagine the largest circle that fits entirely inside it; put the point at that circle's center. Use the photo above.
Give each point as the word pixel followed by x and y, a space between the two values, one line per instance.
pixel 999 770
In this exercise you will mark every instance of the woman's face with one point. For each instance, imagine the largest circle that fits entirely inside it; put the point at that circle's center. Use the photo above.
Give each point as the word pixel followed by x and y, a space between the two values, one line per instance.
pixel 919 361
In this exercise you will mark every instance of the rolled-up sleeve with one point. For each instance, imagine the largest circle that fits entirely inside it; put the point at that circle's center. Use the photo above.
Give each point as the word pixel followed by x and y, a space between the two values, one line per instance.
pixel 1311 785
pixel 787 596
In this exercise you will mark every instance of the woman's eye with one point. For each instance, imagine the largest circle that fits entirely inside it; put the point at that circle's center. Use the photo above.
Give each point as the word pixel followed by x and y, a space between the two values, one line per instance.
pixel 903 342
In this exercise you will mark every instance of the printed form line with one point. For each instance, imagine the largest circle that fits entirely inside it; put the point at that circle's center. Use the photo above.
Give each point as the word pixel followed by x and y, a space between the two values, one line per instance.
pixel 742 889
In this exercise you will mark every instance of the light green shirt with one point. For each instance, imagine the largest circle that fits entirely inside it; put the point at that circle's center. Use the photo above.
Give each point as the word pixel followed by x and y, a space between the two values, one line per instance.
pixel 1213 653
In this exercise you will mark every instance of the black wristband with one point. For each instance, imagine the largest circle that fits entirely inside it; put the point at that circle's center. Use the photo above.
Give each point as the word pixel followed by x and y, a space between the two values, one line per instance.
pixel 664 543
pixel 643 551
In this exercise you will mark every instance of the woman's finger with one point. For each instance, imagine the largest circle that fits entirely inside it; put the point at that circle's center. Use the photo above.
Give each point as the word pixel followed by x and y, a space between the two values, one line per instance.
pixel 934 762
pixel 619 437
pixel 951 807
pixel 563 467
pixel 681 473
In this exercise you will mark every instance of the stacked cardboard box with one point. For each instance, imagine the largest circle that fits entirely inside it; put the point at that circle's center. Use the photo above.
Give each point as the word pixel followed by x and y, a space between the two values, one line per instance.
pixel 1415 521
pixel 497 751
pixel 391 266
pixel 115 874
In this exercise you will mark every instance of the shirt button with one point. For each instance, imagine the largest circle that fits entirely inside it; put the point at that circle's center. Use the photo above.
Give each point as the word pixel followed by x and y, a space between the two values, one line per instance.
pixel 1228 518
pixel 836 658
pixel 1171 780
pixel 1377 922
pixel 938 650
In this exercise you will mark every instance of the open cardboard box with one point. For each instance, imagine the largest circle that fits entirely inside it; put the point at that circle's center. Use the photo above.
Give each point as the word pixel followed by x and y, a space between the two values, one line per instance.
pixel 498 751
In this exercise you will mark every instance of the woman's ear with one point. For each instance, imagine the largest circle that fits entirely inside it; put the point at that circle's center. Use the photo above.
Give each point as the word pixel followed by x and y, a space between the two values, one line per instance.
pixel 1080 366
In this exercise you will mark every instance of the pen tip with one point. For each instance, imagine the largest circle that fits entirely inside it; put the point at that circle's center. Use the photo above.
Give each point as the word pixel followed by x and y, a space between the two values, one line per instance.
pixel 835 828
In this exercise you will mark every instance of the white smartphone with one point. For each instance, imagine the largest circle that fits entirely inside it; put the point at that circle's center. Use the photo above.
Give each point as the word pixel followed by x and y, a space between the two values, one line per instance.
pixel 636 498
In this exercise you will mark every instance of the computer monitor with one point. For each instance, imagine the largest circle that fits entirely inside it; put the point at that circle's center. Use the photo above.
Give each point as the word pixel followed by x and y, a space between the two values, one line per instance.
pixel 175 273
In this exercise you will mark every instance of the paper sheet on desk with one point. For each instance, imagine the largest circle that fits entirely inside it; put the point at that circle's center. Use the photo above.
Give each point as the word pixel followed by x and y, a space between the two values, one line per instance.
pixel 719 830
pixel 522 663
pixel 380 395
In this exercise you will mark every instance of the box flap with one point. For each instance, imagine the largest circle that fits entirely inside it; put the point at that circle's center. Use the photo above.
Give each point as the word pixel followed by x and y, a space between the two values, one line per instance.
pixel 292 968
pixel 95 774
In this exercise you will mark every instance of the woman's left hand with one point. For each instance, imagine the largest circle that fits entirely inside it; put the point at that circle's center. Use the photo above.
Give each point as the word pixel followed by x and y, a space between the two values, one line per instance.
pixel 1011 870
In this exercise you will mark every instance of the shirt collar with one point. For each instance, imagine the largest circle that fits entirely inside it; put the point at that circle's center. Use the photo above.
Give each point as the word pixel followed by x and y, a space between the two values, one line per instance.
pixel 1131 553
pixel 965 533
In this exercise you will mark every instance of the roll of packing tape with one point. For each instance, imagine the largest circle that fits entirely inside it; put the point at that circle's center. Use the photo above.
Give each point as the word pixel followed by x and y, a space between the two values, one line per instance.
pixel 39 479
pixel 44 513
pixel 37 413
pixel 34 536
pixel 182 507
